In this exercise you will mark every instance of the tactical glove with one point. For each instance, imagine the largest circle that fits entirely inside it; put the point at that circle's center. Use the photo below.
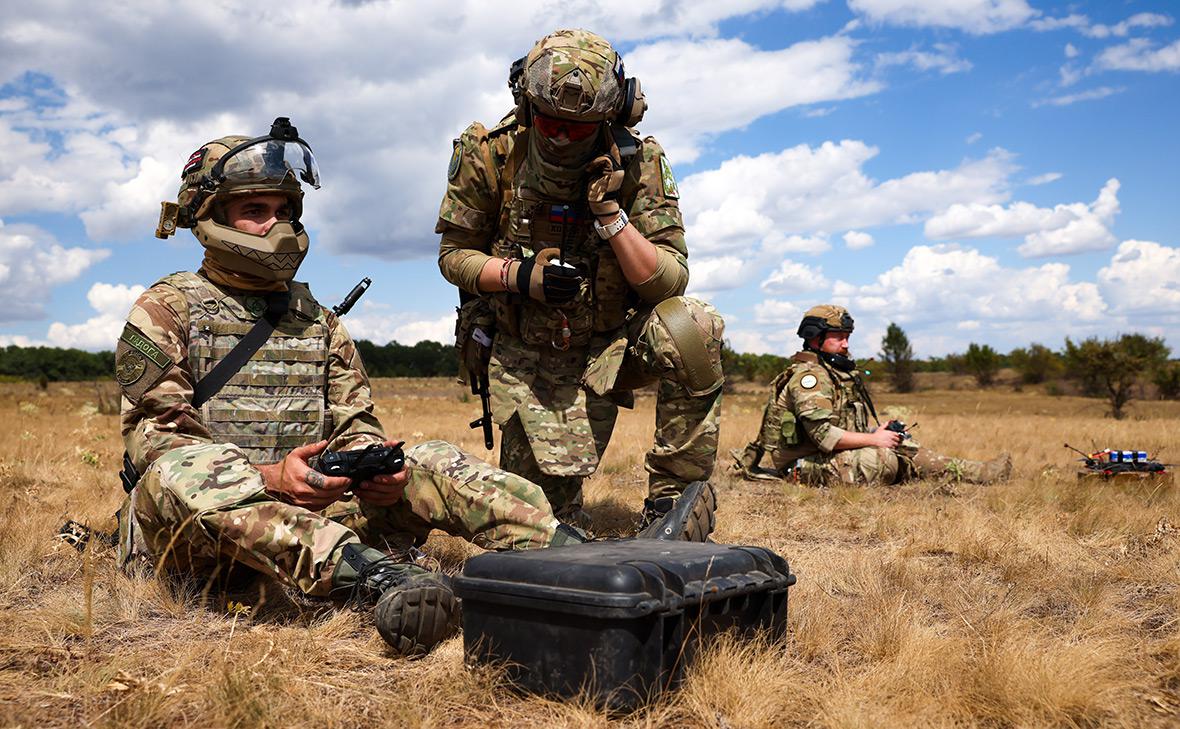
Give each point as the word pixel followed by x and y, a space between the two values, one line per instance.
pixel 606 179
pixel 551 283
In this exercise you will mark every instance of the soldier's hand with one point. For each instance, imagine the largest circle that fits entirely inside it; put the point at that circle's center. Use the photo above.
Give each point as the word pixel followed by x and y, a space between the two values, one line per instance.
pixel 605 182
pixel 386 489
pixel 552 283
pixel 295 482
pixel 884 438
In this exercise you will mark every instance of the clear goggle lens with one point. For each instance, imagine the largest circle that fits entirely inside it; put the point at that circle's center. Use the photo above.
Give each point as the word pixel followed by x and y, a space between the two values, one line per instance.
pixel 272 160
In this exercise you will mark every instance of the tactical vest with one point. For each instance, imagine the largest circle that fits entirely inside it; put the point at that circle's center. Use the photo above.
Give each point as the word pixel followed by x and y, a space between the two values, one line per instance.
pixel 529 223
pixel 848 409
pixel 277 401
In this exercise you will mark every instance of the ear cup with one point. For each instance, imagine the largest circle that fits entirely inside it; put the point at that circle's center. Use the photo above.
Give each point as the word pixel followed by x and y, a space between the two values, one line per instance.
pixel 633 103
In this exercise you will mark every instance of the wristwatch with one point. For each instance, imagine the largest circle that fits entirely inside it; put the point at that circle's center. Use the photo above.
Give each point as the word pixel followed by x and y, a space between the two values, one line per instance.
pixel 610 230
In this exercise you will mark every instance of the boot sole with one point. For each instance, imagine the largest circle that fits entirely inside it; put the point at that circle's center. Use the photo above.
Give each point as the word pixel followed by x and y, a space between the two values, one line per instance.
pixel 699 522
pixel 417 616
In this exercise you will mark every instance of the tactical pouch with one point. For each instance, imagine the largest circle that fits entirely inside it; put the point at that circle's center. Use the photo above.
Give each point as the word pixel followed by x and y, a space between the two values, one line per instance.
pixel 612 294
pixel 541 325
pixel 475 328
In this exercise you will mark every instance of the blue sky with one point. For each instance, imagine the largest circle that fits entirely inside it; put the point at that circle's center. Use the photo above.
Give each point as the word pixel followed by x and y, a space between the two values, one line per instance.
pixel 999 171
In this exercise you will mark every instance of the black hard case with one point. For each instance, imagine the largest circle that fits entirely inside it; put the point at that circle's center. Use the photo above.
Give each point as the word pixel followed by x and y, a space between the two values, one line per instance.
pixel 620 619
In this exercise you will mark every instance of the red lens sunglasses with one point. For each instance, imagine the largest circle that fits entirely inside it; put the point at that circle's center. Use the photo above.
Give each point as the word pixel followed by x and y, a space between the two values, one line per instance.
pixel 572 130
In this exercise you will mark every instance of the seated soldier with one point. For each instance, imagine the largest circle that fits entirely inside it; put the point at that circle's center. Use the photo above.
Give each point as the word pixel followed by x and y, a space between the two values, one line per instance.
pixel 817 422
pixel 228 475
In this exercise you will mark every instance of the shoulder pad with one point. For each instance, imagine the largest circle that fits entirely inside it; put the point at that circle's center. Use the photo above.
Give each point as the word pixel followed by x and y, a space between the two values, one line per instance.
pixel 627 140
pixel 303 303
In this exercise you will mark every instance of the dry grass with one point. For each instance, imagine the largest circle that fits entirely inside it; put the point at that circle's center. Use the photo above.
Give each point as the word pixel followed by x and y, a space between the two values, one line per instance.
pixel 1038 603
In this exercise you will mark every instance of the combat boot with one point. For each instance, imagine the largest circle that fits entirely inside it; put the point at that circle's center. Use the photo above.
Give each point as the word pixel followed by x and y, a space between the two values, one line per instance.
pixel 746 464
pixel 933 465
pixel 414 609
pixel 689 517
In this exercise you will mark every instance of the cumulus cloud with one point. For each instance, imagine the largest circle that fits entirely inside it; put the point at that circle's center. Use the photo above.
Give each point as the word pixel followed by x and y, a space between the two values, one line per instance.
pixel 1044 179
pixel 1140 54
pixel 111 302
pixel 793 198
pixel 778 312
pixel 379 89
pixel 381 324
pixel 1143 279
pixel 977 17
pixel 720 273
pixel 1062 229
pixel 856 240
pixel 32 262
pixel 1124 28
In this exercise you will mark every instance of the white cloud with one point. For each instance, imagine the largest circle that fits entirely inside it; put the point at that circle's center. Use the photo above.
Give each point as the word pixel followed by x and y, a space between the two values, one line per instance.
pixel 777 312
pixel 1140 54
pixel 856 240
pixel 112 302
pixel 1122 29
pixel 700 88
pixel 791 278
pixel 32 262
pixel 720 273
pixel 944 59
pixel 946 284
pixel 793 198
pixel 1093 94
pixel 974 137
pixel 1071 51
pixel 1143 279
pixel 380 324
pixel 971 16
pixel 1044 179
pixel 1062 229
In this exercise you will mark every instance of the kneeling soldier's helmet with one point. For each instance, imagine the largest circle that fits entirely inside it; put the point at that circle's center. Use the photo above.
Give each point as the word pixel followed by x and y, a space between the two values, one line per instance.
pixel 576 75
pixel 819 320
pixel 274 164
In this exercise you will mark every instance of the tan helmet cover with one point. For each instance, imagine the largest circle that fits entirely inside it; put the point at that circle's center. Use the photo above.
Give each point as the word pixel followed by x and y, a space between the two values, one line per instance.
pixel 825 318
pixel 272 257
pixel 574 74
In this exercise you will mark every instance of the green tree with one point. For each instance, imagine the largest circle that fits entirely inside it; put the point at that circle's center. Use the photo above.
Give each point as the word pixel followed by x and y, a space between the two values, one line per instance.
pixel 1036 364
pixel 1114 366
pixel 1167 379
pixel 982 362
pixel 898 356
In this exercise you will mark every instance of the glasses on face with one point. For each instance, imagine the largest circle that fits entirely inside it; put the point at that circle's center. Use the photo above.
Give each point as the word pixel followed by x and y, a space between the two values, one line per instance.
pixel 572 130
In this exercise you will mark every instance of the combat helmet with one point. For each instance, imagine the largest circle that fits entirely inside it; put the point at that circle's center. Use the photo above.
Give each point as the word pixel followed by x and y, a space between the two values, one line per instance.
pixel 275 163
pixel 819 320
pixel 577 75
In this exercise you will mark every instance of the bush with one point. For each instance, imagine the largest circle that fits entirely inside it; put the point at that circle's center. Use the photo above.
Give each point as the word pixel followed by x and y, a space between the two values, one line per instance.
pixel 982 362
pixel 1036 364
pixel 1167 379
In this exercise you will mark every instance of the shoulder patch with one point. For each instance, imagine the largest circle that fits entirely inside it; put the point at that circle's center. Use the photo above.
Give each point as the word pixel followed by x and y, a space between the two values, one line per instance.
pixel 456 156
pixel 808 381
pixel 139 363
pixel 668 180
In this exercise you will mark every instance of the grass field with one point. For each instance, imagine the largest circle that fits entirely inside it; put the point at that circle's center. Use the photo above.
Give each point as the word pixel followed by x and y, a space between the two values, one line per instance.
pixel 1041 602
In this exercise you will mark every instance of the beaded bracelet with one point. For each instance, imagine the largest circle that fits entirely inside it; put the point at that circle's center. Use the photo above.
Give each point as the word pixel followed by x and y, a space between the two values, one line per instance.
pixel 504 273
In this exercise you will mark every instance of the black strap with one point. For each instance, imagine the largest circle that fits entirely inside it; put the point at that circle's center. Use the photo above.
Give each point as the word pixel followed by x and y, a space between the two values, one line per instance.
pixel 864 393
pixel 209 385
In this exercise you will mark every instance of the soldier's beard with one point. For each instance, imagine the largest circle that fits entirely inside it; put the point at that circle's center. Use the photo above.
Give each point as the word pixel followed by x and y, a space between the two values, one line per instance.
pixel 561 168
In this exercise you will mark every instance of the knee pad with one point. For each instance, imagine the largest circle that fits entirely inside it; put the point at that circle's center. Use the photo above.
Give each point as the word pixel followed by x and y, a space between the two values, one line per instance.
pixel 694 331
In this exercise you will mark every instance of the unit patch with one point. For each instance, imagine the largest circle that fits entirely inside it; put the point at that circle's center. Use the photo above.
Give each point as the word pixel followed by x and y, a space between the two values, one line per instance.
pixel 456 156
pixel 668 180
pixel 808 382
pixel 130 367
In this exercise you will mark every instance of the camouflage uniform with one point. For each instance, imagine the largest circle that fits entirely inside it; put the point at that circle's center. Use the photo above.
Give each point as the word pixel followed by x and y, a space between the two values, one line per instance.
pixel 556 396
pixel 813 404
pixel 201 503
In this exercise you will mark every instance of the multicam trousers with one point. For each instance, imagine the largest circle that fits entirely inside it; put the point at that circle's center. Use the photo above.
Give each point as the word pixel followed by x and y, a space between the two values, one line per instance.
pixel 199 508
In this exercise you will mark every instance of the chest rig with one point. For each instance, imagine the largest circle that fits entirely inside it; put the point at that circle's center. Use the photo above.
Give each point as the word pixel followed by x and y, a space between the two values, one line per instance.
pixel 530 222
pixel 276 401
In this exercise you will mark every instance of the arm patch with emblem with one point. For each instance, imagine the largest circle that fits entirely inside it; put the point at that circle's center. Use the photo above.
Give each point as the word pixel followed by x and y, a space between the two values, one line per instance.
pixel 139 363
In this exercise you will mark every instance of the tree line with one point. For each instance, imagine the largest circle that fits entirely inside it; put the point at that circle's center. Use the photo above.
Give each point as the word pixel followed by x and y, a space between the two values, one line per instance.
pixel 53 364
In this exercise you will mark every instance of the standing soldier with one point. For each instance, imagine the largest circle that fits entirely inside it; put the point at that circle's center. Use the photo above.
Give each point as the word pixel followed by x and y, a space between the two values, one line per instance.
pixel 819 412
pixel 234 379
pixel 561 228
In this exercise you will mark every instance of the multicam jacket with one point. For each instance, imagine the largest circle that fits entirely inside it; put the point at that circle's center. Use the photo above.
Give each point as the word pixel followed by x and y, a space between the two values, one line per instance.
pixel 492 208
pixel 306 383
pixel 814 405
